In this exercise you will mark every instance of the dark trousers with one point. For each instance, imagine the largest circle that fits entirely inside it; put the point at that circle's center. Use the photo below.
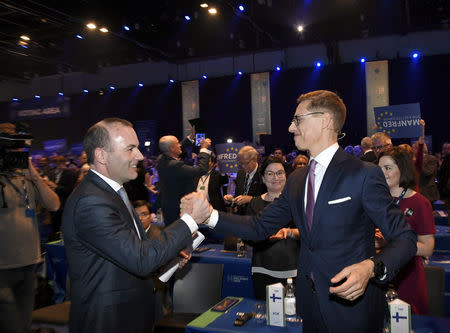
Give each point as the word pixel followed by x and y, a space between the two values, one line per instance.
pixel 16 299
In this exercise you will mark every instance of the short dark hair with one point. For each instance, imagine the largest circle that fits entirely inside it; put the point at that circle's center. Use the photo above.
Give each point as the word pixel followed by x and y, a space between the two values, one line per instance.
pixel 329 102
pixel 408 173
pixel 269 160
pixel 97 136
pixel 140 203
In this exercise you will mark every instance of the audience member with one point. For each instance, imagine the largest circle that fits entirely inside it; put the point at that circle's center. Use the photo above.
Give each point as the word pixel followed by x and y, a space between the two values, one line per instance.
pixel 274 259
pixel 109 254
pixel 380 142
pixel 278 152
pixel 211 185
pixel 175 177
pixel 401 177
pixel 300 162
pixel 248 180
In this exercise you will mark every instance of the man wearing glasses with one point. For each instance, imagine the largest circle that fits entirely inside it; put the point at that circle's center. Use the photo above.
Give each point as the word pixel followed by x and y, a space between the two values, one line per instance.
pixel 380 142
pixel 336 203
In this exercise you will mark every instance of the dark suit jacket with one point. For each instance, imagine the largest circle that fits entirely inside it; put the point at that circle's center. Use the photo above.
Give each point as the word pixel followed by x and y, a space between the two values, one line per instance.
pixel 109 266
pixel 216 181
pixel 369 157
pixel 176 179
pixel 257 187
pixel 342 234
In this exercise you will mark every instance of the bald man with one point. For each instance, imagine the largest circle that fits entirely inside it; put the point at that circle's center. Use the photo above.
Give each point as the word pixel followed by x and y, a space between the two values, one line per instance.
pixel 176 178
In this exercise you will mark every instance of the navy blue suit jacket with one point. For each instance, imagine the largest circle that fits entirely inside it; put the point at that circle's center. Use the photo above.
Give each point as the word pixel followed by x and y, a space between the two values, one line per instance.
pixel 342 234
pixel 109 266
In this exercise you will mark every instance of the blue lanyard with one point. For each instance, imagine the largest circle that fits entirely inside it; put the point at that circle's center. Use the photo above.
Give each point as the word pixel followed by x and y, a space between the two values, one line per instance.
pixel 401 196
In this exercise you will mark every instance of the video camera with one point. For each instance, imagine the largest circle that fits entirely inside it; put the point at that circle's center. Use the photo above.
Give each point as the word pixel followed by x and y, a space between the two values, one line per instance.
pixel 11 141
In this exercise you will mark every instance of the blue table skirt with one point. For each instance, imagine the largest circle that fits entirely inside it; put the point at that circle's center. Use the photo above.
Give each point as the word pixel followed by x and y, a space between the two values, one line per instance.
pixel 420 324
pixel 237 278
pixel 56 261
pixel 442 239
pixel 443 260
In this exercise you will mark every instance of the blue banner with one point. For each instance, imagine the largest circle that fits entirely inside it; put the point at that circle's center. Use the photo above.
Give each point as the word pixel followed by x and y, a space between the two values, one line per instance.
pixel 399 121
pixel 227 156
pixel 40 108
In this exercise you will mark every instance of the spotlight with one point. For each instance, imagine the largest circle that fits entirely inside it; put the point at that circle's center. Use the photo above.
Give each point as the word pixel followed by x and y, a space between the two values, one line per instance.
pixel 240 73
pixel 79 37
pixel 91 26
pixel 37 96
pixel 112 88
pixel 147 143
pixel 415 55
pixel 300 28
pixel 363 60
pixel 204 5
pixel 229 140
pixel 187 17
pixel 318 64
pixel 105 30
pixel 61 94
pixel 140 84
pixel 212 11
pixel 24 37
pixel 24 46
pixel 241 8
pixel 85 91
pixel 278 68
pixel 15 99
pixel 126 28
pixel 171 80
pixel 204 76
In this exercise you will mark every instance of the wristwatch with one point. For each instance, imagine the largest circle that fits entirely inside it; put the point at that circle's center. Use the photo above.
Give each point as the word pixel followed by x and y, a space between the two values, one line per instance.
pixel 379 270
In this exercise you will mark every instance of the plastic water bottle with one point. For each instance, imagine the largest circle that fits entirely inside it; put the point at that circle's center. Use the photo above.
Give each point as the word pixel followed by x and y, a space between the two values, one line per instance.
pixel 390 295
pixel 289 301
pixel 240 247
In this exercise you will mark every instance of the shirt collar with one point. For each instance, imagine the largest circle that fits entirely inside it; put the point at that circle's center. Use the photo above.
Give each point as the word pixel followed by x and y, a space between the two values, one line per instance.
pixel 115 185
pixel 325 157
pixel 251 174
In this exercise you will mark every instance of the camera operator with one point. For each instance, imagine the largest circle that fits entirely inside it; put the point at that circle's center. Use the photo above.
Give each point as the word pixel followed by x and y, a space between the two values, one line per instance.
pixel 20 188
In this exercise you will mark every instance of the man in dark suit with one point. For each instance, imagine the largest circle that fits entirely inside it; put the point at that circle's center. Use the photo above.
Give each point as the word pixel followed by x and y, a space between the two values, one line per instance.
pixel 176 178
pixel 248 180
pixel 368 154
pixel 336 204
pixel 110 258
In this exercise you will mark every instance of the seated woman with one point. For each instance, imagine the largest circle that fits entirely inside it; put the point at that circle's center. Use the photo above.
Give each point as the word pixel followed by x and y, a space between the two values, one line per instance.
pixel 275 259
pixel 401 177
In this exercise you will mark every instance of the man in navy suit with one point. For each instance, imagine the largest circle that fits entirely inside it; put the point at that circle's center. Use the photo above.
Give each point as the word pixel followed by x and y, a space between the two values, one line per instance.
pixel 336 203
pixel 109 256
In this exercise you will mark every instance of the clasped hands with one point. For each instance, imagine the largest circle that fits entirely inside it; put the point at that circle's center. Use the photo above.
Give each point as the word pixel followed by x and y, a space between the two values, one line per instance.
pixel 197 206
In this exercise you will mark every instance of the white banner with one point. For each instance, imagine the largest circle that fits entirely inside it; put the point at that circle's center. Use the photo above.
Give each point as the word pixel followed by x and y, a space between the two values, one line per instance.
pixel 190 103
pixel 260 86
pixel 377 90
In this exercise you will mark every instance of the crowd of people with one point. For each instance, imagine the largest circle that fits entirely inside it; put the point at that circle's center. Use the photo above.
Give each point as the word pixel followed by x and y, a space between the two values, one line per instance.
pixel 342 222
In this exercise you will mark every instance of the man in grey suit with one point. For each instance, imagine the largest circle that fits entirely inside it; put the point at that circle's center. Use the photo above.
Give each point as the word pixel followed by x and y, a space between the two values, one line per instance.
pixel 110 258
pixel 336 203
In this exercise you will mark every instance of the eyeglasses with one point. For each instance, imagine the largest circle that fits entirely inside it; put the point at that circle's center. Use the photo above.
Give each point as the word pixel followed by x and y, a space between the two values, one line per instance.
pixel 299 117
pixel 381 147
pixel 273 174
pixel 144 214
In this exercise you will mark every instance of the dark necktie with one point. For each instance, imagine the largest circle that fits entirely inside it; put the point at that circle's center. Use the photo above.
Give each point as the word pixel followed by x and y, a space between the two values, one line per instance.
pixel 310 195
pixel 124 196
pixel 246 184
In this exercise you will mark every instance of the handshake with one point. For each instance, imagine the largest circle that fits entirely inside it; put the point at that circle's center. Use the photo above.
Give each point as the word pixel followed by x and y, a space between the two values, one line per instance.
pixel 197 206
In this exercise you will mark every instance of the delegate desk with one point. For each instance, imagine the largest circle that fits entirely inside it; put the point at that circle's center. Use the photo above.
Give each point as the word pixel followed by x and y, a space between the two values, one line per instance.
pixel 237 278
pixel 443 260
pixel 224 323
pixel 442 239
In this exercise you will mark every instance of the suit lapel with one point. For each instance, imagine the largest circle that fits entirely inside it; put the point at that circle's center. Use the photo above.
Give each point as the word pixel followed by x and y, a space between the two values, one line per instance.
pixel 92 177
pixel 330 179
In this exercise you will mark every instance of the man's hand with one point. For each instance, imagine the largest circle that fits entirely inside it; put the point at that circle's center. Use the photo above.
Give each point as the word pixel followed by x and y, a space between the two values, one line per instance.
pixel 205 143
pixel 357 275
pixel 242 199
pixel 196 205
pixel 228 198
pixel 185 255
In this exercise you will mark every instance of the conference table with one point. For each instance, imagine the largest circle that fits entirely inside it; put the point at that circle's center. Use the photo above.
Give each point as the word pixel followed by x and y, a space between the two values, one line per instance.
pixel 213 322
pixel 442 239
